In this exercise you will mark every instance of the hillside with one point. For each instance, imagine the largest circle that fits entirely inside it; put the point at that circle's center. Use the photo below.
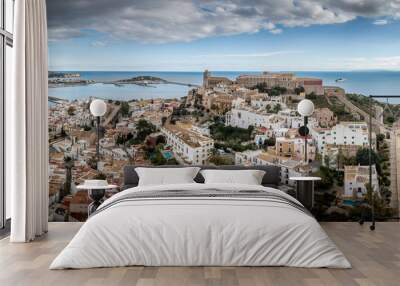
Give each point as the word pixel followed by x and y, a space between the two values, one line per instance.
pixel 390 113
pixel 333 104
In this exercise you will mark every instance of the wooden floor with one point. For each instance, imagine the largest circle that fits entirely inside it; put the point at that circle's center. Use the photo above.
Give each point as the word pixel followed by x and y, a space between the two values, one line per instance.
pixel 375 257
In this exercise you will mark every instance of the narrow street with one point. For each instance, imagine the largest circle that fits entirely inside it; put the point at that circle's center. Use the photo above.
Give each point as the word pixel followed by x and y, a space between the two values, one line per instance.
pixel 111 115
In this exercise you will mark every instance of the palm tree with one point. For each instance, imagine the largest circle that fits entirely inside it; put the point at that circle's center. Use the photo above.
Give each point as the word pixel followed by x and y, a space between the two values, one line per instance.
pixel 68 165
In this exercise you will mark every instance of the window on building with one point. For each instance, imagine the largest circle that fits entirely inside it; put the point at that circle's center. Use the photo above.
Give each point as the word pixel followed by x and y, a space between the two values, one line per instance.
pixel 6 43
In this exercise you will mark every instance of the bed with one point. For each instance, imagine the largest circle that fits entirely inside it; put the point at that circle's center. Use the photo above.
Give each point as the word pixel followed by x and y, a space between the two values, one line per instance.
pixel 201 224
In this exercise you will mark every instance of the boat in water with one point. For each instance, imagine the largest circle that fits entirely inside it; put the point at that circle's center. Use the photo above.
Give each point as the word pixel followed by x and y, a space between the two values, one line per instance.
pixel 340 79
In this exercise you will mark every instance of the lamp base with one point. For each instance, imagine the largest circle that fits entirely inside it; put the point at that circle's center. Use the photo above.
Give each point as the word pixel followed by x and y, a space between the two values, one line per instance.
pixel 97 197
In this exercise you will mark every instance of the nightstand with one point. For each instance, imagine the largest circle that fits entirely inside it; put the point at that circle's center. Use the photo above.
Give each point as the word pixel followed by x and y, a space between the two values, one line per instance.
pixel 96 190
pixel 305 190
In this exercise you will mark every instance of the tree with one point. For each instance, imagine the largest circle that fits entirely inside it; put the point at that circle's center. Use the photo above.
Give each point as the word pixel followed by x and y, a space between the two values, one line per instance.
pixel 120 140
pixel 124 108
pixel 327 161
pixel 274 91
pixel 277 90
pixel 71 111
pixel 380 141
pixel 311 96
pixel 92 162
pixel 219 160
pixel 362 157
pixel 157 158
pixel 250 129
pixel 380 205
pixel 390 120
pixel 271 141
pixel 229 133
pixel 163 120
pixel 68 165
pixel 100 176
pixel 380 137
pixel 160 140
pixel 277 108
pixel 123 139
pixel 326 176
pixel 299 90
pixel 87 128
pixel 63 133
pixel 144 128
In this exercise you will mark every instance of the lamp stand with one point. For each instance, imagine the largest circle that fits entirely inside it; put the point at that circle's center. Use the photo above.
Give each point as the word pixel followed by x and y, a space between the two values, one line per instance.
pixel 305 140
pixel 98 142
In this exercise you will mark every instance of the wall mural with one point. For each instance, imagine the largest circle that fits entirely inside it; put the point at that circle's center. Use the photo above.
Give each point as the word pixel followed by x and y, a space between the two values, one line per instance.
pixel 185 117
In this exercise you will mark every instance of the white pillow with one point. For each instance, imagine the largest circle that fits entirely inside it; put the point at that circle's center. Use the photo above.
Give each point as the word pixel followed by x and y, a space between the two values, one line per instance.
pixel 166 176
pixel 248 177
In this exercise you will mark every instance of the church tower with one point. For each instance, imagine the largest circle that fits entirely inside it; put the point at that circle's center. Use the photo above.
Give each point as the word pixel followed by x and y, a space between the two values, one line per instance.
pixel 206 74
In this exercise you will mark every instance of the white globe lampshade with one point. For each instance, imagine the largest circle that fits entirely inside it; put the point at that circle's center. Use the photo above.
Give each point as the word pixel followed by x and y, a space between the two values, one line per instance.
pixel 98 107
pixel 305 107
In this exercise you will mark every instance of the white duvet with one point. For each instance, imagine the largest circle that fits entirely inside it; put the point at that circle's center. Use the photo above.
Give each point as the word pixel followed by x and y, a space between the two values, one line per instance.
pixel 202 232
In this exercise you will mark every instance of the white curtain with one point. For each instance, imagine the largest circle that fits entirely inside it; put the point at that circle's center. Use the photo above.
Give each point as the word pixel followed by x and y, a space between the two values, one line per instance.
pixel 27 131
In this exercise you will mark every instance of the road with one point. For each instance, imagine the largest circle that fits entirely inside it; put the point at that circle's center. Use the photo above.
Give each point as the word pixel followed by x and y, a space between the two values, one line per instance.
pixel 394 165
pixel 56 140
pixel 55 99
pixel 351 106
pixel 112 114
pixel 148 84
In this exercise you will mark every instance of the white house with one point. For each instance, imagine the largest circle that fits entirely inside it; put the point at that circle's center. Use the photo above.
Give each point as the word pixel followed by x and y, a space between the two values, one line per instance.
pixel 344 133
pixel 355 180
pixel 189 146
pixel 288 167
pixel 243 118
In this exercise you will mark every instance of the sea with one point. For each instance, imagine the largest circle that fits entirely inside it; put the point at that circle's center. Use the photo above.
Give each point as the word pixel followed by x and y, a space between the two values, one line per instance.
pixel 360 82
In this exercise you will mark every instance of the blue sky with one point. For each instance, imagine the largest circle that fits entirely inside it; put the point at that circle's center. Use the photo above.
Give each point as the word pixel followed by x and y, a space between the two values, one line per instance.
pixel 338 40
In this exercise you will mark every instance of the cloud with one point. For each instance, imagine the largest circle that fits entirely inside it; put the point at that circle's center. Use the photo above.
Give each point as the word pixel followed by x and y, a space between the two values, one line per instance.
pixel 364 63
pixel 381 22
pixel 99 44
pixel 251 55
pixel 61 33
pixel 160 21
pixel 275 31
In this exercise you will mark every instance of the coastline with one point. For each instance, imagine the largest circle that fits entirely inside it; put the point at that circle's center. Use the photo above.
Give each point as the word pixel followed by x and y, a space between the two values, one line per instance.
pixel 359 82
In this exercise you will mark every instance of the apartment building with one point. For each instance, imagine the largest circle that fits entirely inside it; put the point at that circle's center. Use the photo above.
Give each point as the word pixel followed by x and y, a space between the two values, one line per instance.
pixel 355 180
pixel 288 167
pixel 212 81
pixel 343 133
pixel 217 101
pixel 189 145
pixel 295 148
pixel 262 101
pixel 325 117
pixel 285 80
pixel 244 117
pixel 310 85
pixel 331 158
